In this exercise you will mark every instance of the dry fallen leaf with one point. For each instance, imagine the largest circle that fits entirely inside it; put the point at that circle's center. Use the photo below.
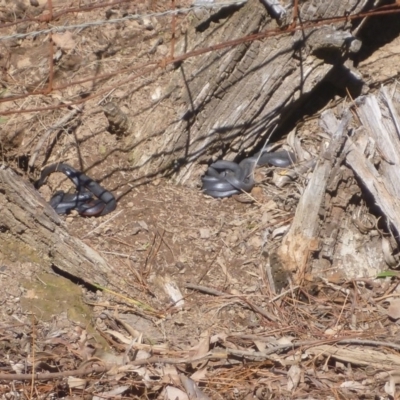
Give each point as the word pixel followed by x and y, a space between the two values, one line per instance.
pixel 112 394
pixel 170 375
pixel 261 346
pixel 172 393
pixel 285 340
pixel 64 40
pixel 294 375
pixel 193 391
pixel 353 385
pixel 218 337
pixel 202 348
pixel 76 383
pixel 199 375
pixel 173 291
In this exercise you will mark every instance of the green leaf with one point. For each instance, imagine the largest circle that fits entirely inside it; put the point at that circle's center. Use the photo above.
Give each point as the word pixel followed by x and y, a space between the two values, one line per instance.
pixel 385 274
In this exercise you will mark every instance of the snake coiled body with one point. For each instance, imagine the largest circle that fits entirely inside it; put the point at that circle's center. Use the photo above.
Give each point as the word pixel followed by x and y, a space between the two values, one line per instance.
pixel 82 200
pixel 226 178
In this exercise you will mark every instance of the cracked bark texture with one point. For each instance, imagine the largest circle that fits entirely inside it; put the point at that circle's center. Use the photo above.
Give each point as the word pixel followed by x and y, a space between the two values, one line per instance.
pixel 228 101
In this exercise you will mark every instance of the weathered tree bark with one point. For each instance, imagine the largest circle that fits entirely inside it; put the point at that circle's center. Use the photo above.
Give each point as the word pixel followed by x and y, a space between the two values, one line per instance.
pixel 31 231
pixel 229 100
pixel 332 217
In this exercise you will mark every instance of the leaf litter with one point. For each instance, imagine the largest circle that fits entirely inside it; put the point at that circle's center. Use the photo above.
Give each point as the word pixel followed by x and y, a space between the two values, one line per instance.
pixel 196 316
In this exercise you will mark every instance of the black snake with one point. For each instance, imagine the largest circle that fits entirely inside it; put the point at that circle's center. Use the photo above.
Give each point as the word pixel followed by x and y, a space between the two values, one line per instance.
pixel 82 200
pixel 226 178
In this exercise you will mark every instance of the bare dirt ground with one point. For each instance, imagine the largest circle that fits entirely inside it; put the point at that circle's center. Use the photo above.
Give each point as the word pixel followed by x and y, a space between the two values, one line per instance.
pixel 194 297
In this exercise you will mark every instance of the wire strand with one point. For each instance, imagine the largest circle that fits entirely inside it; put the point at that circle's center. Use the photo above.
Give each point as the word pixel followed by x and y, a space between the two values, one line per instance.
pixel 198 5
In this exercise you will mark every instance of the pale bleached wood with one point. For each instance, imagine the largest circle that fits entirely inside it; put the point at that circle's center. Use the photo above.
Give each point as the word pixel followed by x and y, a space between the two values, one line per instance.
pixel 380 122
pixel 349 245
pixel 378 136
pixel 376 184
pixel 358 356
pixel 302 237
